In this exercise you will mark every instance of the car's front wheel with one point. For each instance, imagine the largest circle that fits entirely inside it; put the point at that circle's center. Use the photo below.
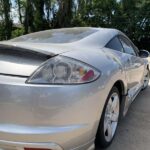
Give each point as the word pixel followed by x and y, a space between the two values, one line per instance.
pixel 109 120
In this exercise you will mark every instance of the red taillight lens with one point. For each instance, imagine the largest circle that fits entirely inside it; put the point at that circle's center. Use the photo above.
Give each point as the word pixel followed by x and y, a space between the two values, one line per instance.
pixel 89 75
pixel 64 70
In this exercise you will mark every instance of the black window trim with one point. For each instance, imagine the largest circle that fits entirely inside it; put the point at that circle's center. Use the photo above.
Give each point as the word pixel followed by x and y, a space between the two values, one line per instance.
pixel 120 35
pixel 133 46
pixel 116 36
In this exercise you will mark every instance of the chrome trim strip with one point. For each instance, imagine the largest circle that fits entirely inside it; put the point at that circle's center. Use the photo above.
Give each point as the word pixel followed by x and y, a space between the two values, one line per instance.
pixel 16 129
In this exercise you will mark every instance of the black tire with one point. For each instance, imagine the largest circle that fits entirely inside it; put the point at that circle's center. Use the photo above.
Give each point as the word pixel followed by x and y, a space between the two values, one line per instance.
pixel 100 141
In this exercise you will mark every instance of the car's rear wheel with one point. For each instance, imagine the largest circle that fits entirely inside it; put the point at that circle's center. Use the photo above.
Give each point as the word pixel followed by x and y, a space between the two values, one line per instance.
pixel 109 120
pixel 146 79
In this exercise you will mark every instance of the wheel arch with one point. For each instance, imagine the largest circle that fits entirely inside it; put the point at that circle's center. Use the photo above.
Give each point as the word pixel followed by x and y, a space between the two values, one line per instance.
pixel 121 87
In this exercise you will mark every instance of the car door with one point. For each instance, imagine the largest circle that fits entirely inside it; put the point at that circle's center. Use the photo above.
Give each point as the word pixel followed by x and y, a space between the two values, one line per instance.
pixel 124 58
pixel 136 65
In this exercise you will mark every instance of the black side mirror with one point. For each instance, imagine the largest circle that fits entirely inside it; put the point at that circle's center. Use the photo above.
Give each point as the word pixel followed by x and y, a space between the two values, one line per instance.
pixel 144 53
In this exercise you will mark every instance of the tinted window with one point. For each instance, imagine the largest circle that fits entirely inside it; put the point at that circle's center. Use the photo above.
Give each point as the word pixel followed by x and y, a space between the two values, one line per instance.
pixel 115 44
pixel 128 48
pixel 57 36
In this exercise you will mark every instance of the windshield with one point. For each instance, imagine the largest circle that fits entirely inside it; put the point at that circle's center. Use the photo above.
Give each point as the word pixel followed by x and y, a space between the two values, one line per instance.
pixel 57 35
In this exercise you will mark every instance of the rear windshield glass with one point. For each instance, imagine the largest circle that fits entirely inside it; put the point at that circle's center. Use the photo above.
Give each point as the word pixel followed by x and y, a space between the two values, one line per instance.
pixel 57 36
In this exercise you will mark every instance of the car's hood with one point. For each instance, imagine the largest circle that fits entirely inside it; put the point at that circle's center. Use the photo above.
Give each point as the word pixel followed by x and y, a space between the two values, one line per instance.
pixel 44 48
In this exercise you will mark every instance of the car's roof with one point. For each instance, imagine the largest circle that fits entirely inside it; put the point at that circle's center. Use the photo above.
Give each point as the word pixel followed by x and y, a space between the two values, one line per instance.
pixel 98 39
pixel 101 37
pixel 70 35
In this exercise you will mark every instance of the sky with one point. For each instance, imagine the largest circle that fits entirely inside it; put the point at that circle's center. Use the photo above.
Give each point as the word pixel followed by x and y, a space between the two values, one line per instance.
pixel 14 12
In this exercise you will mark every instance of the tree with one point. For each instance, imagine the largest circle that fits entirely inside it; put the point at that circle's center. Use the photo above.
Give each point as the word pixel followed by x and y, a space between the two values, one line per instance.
pixel 21 6
pixel 6 19
pixel 48 9
pixel 29 18
pixel 39 16
pixel 64 14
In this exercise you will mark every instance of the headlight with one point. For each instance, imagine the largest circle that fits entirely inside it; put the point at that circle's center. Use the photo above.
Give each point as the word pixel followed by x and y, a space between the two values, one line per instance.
pixel 63 70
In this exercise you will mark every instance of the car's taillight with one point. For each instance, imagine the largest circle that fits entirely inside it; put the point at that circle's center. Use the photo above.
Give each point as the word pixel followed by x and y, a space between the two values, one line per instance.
pixel 64 70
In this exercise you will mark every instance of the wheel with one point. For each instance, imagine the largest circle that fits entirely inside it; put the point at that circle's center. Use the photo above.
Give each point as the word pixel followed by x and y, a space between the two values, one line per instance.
pixel 109 120
pixel 146 79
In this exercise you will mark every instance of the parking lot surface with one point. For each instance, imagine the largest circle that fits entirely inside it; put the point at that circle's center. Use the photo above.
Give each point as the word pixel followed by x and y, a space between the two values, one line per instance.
pixel 134 130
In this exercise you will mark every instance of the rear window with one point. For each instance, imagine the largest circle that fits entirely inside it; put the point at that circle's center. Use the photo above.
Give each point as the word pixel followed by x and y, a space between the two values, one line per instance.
pixel 57 35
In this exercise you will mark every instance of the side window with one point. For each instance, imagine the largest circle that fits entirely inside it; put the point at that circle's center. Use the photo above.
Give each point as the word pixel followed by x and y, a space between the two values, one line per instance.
pixel 128 48
pixel 115 45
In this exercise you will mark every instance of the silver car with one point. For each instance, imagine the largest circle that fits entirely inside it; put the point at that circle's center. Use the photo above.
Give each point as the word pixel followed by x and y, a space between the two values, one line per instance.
pixel 66 89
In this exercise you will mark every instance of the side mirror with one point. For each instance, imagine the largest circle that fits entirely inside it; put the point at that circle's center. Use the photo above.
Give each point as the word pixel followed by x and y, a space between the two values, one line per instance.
pixel 144 54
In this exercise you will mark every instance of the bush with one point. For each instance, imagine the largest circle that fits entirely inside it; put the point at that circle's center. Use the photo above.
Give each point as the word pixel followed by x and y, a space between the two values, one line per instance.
pixel 17 32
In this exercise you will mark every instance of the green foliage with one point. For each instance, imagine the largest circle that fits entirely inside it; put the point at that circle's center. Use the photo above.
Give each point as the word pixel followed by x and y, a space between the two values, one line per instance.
pixel 6 22
pixel 2 31
pixel 77 21
pixel 17 32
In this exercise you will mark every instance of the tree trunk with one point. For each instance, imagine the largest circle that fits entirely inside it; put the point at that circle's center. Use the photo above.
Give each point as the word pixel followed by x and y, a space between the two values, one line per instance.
pixel 29 18
pixel 19 11
pixel 7 19
pixel 64 14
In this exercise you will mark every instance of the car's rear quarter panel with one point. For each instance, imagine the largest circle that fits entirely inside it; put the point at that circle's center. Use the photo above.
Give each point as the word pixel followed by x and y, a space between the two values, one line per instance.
pixel 61 112
pixel 43 113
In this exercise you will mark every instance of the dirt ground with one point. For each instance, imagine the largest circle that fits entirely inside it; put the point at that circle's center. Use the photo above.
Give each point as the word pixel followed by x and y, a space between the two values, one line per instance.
pixel 134 130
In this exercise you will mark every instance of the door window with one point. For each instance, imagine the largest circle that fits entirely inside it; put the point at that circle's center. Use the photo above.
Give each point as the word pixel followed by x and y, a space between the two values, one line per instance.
pixel 128 48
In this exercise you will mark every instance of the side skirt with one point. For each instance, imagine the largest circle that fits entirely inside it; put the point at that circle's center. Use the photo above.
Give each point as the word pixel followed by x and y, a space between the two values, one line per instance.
pixel 129 98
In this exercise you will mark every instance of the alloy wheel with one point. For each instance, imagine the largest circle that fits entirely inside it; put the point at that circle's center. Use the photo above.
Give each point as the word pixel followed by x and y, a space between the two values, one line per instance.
pixel 111 117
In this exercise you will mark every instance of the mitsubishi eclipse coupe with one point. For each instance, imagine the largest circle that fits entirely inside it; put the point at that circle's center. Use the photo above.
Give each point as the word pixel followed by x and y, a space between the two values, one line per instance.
pixel 67 89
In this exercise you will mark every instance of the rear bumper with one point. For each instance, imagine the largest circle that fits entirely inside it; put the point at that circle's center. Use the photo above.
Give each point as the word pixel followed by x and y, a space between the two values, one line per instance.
pixel 32 114
pixel 7 145
pixel 44 137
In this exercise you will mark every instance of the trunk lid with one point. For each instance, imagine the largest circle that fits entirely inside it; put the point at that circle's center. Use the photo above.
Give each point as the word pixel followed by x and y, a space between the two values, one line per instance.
pixel 22 58
pixel 16 60
pixel 43 48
